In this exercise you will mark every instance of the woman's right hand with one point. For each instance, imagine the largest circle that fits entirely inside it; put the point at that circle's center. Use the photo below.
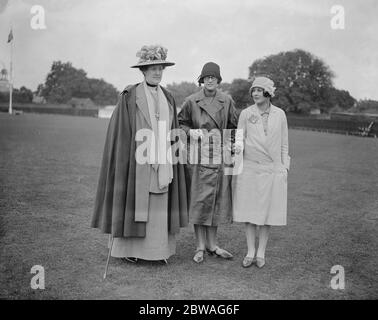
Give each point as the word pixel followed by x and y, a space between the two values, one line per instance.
pixel 238 148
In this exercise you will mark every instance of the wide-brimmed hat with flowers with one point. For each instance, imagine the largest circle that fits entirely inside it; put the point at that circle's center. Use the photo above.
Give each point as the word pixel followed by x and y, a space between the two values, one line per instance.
pixel 152 55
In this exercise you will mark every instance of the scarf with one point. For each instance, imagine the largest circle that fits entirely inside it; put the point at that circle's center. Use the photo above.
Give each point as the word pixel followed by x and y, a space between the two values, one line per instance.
pixel 159 157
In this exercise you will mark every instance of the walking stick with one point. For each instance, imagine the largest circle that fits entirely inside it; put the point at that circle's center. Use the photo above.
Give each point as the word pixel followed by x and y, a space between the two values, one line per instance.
pixel 110 251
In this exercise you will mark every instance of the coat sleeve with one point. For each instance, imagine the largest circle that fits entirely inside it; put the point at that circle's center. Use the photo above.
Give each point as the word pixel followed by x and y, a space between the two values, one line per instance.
pixel 241 130
pixel 285 158
pixel 185 117
pixel 232 116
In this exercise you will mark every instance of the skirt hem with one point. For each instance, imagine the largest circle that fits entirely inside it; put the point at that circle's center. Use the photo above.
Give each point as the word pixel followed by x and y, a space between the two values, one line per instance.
pixel 259 224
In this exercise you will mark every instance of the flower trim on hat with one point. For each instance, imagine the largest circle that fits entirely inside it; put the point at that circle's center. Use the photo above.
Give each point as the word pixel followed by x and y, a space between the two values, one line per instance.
pixel 151 53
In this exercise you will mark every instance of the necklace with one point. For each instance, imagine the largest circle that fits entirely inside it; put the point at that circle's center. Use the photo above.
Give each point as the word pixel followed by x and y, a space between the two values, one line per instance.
pixel 151 85
pixel 155 96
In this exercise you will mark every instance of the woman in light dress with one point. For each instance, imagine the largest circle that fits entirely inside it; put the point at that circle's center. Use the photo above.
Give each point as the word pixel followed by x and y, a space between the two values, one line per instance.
pixel 260 188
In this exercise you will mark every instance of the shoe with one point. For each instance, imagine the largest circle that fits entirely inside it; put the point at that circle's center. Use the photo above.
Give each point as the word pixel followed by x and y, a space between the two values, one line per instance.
pixel 198 257
pixel 260 262
pixel 248 261
pixel 220 253
pixel 129 259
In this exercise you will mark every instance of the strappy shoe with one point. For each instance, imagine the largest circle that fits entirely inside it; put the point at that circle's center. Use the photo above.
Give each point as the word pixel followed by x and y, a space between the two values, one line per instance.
pixel 198 257
pixel 248 261
pixel 260 262
pixel 220 253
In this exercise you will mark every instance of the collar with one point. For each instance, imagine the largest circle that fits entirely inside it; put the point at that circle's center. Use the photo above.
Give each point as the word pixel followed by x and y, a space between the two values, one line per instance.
pixel 151 85
pixel 271 109
pixel 267 111
pixel 218 95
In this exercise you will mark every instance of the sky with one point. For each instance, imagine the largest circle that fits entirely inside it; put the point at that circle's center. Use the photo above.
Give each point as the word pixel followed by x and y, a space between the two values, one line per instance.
pixel 102 37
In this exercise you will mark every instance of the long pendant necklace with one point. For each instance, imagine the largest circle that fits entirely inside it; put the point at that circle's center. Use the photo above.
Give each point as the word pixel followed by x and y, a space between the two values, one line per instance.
pixel 155 96
pixel 157 109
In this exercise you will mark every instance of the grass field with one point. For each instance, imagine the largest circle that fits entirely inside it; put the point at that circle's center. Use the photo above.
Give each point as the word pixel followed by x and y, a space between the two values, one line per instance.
pixel 48 175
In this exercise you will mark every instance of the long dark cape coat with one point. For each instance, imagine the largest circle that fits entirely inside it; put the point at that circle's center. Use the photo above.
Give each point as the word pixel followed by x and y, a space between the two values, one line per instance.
pixel 114 210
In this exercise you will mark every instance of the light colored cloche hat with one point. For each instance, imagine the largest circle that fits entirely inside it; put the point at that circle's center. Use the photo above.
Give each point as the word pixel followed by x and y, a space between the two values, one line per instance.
pixel 264 83
pixel 152 55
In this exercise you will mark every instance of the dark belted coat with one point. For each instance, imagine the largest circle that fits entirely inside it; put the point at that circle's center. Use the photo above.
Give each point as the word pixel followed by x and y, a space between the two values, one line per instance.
pixel 119 192
pixel 209 188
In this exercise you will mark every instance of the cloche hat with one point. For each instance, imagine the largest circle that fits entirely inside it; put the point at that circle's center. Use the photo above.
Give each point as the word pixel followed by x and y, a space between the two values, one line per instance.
pixel 210 69
pixel 264 83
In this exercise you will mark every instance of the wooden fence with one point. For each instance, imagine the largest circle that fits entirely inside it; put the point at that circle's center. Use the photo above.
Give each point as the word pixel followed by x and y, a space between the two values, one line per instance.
pixel 368 128
pixel 54 110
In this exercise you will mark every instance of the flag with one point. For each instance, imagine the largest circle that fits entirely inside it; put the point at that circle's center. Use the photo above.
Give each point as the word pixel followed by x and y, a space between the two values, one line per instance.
pixel 10 36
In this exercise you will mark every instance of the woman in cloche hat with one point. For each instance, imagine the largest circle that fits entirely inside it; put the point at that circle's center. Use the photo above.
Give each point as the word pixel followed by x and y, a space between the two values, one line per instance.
pixel 260 191
pixel 208 111
pixel 141 204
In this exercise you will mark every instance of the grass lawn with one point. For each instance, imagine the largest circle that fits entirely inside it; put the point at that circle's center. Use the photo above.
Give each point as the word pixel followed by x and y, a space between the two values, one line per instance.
pixel 49 168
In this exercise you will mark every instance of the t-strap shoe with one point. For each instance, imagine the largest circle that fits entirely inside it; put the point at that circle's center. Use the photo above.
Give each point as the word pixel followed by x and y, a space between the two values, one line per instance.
pixel 260 262
pixel 220 253
pixel 198 257
pixel 248 261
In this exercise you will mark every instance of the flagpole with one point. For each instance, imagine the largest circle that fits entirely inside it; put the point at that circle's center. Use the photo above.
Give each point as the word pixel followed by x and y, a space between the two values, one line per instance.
pixel 11 76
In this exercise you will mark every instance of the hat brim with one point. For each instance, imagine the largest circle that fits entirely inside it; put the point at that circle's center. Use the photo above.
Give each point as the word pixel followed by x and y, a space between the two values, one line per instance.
pixel 261 87
pixel 200 79
pixel 154 63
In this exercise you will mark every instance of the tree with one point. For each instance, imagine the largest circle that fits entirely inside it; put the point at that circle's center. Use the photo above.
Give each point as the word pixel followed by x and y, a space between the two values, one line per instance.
pixel 300 77
pixel 225 87
pixel 102 92
pixel 64 82
pixel 367 105
pixel 336 99
pixel 22 95
pixel 4 96
pixel 239 90
pixel 182 90
pixel 39 90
